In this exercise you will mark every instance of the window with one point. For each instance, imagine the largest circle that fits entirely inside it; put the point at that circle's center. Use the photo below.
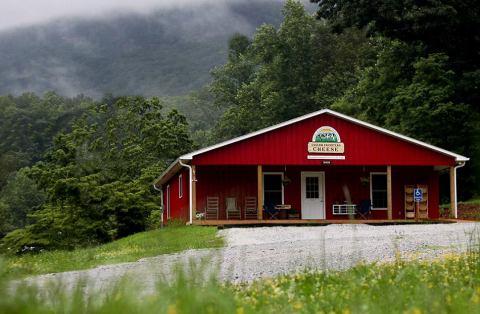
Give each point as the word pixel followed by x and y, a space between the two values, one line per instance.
pixel 272 189
pixel 180 186
pixel 168 201
pixel 311 187
pixel 378 190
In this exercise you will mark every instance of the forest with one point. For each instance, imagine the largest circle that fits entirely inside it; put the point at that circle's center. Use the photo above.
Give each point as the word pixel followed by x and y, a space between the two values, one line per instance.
pixel 77 171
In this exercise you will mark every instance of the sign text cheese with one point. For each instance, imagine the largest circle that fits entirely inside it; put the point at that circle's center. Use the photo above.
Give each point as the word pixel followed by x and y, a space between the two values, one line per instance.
pixel 315 147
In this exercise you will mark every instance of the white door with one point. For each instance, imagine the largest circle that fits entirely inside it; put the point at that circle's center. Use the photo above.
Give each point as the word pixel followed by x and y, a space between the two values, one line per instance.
pixel 313 191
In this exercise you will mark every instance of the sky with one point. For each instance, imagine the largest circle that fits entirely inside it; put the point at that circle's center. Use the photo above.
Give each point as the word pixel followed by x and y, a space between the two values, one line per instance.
pixel 16 13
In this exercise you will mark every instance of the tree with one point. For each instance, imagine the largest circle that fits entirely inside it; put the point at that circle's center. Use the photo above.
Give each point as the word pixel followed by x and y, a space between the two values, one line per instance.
pixel 449 26
pixel 286 72
pixel 20 197
pixel 425 80
pixel 28 124
pixel 98 176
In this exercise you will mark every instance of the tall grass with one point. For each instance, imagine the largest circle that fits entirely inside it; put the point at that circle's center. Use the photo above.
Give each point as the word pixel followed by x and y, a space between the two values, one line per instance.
pixel 450 284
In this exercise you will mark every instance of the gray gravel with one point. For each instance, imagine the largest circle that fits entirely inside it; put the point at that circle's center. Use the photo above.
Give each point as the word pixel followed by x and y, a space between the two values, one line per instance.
pixel 253 253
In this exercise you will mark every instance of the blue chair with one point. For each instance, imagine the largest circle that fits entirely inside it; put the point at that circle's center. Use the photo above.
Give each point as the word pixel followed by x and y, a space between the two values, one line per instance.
pixel 364 209
pixel 270 211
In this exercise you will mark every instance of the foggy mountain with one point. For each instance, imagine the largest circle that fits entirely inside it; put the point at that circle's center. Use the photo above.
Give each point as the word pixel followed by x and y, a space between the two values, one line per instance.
pixel 166 52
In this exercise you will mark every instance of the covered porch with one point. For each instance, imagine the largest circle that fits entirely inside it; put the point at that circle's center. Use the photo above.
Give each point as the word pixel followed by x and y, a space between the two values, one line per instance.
pixel 273 194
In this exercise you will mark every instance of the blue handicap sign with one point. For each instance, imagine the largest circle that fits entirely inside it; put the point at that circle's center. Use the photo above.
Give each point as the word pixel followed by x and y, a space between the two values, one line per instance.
pixel 418 195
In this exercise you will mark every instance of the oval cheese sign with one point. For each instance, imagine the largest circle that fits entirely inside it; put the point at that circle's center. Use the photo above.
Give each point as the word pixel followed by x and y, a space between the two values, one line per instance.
pixel 326 134
pixel 326 140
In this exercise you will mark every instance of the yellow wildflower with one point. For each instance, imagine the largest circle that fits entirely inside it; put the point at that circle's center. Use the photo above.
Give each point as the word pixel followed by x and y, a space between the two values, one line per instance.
pixel 416 311
pixel 172 309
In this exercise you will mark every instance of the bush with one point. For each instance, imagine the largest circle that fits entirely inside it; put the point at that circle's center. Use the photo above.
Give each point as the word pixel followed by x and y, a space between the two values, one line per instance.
pixel 154 220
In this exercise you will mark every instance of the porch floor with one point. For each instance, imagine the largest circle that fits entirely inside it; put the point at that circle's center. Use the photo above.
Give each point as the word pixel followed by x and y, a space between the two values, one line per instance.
pixel 319 222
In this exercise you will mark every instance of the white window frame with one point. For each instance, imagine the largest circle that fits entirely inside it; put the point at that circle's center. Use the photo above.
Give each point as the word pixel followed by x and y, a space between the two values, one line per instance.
pixel 180 186
pixel 283 188
pixel 371 191
pixel 168 201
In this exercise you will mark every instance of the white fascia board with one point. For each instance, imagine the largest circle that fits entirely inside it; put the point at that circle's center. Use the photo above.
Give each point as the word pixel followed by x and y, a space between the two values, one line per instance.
pixel 166 171
pixel 458 158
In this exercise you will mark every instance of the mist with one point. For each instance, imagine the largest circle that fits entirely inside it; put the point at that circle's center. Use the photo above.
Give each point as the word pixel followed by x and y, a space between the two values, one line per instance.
pixel 15 13
pixel 152 48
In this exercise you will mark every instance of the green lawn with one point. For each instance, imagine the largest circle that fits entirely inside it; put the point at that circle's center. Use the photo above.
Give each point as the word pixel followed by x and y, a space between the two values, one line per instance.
pixel 129 249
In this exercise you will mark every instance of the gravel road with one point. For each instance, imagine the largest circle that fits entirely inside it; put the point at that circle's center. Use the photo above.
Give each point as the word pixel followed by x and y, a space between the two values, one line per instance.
pixel 253 253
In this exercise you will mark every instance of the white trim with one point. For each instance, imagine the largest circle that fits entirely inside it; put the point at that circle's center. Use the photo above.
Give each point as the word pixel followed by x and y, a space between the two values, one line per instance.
pixel 180 186
pixel 168 201
pixel 169 168
pixel 283 188
pixel 455 210
pixel 303 174
pixel 326 157
pixel 371 194
pixel 190 198
pixel 336 114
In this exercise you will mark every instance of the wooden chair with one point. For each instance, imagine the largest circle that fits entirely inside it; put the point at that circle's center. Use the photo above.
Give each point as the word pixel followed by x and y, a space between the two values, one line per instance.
pixel 251 207
pixel 211 211
pixel 233 211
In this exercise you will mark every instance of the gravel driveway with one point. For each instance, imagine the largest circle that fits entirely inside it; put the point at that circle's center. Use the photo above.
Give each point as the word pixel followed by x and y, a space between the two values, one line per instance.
pixel 253 253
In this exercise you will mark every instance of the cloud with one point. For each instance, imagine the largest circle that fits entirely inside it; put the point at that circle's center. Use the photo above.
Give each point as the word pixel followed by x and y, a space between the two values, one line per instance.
pixel 17 13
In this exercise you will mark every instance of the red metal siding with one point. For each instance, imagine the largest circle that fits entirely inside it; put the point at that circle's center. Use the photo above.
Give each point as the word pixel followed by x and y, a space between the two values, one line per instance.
pixel 402 176
pixel 179 206
pixel 241 181
pixel 224 182
pixel 288 146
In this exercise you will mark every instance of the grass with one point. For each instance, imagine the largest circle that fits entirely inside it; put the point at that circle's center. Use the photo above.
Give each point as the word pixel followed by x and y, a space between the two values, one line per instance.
pixel 474 201
pixel 447 285
pixel 128 249
pixel 450 284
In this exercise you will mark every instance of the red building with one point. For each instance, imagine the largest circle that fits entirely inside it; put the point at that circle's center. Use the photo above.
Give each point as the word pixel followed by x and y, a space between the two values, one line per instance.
pixel 321 166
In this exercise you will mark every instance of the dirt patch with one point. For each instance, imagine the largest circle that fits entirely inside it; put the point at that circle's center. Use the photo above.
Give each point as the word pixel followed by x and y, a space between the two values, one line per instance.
pixel 465 211
pixel 469 211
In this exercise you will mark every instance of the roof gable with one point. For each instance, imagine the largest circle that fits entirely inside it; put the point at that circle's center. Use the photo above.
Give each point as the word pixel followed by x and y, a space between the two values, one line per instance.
pixel 457 157
pixel 256 147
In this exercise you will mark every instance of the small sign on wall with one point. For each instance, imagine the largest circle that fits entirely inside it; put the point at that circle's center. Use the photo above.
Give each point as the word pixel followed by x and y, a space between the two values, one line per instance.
pixel 326 148
pixel 418 195
pixel 326 140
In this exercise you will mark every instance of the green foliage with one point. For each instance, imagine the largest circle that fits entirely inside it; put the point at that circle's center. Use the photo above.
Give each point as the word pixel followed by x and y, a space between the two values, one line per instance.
pixel 285 72
pixel 98 177
pixel 154 220
pixel 442 26
pixel 19 198
pixel 129 249
pixel 427 72
pixel 201 112
pixel 440 286
pixel 28 124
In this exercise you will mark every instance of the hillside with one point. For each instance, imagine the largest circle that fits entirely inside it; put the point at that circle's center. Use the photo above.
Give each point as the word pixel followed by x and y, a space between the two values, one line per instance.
pixel 167 52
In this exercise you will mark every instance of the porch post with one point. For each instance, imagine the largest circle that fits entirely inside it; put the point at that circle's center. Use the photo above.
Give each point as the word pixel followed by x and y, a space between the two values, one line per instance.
pixel 389 192
pixel 194 191
pixel 259 192
pixel 453 192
